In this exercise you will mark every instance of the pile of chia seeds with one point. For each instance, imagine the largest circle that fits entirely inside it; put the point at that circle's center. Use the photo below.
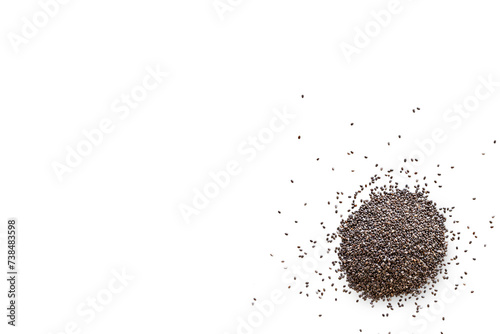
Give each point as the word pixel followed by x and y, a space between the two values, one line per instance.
pixel 393 245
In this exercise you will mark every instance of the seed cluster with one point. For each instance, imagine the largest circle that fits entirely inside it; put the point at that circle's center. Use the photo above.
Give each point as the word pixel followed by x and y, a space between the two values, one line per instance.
pixel 393 245
pixel 393 242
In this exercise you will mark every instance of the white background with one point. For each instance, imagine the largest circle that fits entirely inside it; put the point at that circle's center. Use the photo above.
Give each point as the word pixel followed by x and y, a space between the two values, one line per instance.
pixel 120 207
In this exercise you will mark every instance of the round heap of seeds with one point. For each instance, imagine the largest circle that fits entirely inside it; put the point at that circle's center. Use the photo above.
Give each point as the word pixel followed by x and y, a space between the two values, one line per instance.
pixel 393 245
